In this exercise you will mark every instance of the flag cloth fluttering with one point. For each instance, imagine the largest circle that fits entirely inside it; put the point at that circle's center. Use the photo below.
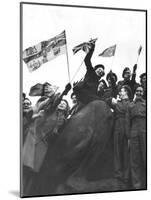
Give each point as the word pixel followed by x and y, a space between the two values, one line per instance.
pixel 45 51
pixel 85 46
pixel 108 52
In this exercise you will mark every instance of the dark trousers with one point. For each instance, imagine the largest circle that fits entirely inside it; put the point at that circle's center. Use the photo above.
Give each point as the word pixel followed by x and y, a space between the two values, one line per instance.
pixel 121 156
pixel 138 161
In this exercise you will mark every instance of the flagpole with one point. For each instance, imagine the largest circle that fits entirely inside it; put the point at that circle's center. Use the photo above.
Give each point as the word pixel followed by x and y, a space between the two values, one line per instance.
pixel 139 52
pixel 113 58
pixel 77 71
pixel 137 59
pixel 67 61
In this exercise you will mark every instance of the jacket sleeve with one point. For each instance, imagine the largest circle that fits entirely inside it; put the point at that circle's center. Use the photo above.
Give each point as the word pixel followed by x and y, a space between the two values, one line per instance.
pixel 134 74
pixel 87 59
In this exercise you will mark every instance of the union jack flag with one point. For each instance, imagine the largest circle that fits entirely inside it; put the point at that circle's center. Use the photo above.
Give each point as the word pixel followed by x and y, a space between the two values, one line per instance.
pixel 85 46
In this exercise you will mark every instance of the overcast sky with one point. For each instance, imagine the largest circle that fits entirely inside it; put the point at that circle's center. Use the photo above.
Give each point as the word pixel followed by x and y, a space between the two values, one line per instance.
pixel 124 28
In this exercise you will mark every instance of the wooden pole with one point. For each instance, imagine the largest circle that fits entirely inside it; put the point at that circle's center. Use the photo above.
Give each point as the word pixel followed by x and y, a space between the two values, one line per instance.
pixel 67 60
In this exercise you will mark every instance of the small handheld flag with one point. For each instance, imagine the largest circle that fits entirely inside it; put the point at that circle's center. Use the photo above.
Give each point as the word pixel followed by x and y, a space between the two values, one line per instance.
pixel 108 52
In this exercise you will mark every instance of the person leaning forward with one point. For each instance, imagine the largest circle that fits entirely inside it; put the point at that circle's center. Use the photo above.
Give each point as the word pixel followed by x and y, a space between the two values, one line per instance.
pixel 86 90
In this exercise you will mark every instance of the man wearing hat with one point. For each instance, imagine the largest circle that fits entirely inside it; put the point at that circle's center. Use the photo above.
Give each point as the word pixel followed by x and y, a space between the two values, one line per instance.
pixel 102 86
pixel 86 90
pixel 129 79
pixel 111 90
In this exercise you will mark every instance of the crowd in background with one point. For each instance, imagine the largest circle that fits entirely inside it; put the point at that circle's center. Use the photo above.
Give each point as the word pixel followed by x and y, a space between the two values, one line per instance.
pixel 127 101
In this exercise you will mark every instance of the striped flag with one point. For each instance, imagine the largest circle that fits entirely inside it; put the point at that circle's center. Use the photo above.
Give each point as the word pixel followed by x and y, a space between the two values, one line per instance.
pixel 85 46
pixel 45 51
pixel 108 52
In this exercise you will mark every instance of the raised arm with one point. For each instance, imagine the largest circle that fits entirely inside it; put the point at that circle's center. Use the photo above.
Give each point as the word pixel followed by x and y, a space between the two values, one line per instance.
pixel 60 96
pixel 134 73
pixel 87 59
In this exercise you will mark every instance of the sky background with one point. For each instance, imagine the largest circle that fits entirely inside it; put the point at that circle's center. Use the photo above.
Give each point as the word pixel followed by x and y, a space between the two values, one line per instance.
pixel 124 28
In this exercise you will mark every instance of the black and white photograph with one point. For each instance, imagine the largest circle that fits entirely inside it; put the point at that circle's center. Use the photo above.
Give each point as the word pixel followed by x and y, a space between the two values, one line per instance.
pixel 83 72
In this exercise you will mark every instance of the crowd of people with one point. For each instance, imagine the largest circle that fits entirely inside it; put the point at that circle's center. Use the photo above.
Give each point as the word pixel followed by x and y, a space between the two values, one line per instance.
pixel 125 98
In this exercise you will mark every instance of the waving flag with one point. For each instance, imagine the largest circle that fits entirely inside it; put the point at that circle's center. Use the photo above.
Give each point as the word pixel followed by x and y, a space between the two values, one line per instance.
pixel 108 52
pixel 45 51
pixel 85 46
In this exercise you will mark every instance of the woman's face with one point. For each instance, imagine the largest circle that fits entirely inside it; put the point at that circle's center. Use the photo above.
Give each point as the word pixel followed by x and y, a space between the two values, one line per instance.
pixel 62 105
pixel 143 81
pixel 139 92
pixel 26 105
pixel 122 93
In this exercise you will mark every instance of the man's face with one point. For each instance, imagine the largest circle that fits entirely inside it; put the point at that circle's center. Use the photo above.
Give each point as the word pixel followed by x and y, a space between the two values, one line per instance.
pixel 26 105
pixel 139 92
pixel 122 93
pixel 99 71
pixel 127 74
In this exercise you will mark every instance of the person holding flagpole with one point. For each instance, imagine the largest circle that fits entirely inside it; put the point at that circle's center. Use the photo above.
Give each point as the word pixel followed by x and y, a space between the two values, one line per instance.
pixel 86 90
pixel 128 78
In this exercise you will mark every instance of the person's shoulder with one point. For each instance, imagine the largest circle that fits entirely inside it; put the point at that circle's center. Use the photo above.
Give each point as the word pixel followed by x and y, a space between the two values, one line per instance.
pixel 120 82
pixel 131 104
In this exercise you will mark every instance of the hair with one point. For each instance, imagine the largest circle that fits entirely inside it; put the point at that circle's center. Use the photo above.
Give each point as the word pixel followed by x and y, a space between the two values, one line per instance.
pixel 138 87
pixel 128 90
pixel 109 75
pixel 125 69
pixel 23 96
pixel 141 76
pixel 99 66
pixel 103 81
pixel 27 100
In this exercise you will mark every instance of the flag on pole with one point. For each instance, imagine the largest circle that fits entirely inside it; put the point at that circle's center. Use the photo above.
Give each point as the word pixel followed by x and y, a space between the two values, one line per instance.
pixel 45 51
pixel 85 46
pixel 140 49
pixel 108 52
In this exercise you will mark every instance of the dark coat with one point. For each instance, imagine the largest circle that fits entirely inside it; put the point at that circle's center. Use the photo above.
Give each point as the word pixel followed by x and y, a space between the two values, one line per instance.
pixel 86 90
pixel 121 134
pixel 137 113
